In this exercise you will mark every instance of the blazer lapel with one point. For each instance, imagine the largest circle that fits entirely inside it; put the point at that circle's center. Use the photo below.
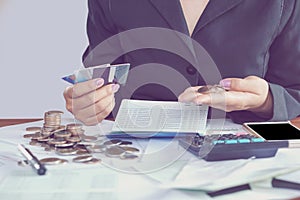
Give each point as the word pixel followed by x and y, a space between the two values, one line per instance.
pixel 171 11
pixel 214 9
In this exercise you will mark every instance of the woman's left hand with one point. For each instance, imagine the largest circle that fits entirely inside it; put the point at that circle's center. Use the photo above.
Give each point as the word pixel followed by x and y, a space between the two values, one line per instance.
pixel 251 93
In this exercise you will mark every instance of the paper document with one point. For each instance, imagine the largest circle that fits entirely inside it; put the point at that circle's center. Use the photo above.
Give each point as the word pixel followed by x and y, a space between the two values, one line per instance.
pixel 160 116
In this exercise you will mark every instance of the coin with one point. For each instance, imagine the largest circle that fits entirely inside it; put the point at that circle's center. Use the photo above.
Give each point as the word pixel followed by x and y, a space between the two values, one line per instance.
pixel 62 134
pixel 97 148
pixel 81 159
pixel 33 129
pixel 43 139
pixel 82 152
pixel 211 89
pixel 55 112
pixel 64 145
pixel 88 138
pixel 57 141
pixel 125 143
pixel 30 135
pixel 112 142
pixel 66 151
pixel 114 151
pixel 34 143
pixel 130 149
pixel 126 156
pixel 73 139
pixel 53 161
pixel 93 161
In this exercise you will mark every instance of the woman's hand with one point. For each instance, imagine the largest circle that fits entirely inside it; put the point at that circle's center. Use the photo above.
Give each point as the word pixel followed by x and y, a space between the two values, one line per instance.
pixel 251 93
pixel 90 101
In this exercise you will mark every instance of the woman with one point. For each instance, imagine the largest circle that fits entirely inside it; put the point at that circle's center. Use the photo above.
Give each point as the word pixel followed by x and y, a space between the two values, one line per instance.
pixel 255 45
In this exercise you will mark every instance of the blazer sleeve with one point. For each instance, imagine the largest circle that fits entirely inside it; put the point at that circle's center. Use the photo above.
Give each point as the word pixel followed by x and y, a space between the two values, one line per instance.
pixel 100 27
pixel 283 71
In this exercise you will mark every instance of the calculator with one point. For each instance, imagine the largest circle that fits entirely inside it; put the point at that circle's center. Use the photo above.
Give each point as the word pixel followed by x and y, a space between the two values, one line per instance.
pixel 219 147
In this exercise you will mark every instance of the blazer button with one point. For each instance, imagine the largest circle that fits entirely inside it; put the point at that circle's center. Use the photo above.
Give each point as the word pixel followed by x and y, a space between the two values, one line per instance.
pixel 191 70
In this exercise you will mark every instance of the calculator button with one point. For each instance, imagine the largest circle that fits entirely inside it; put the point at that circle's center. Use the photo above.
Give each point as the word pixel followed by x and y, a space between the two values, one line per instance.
pixel 231 141
pixel 244 141
pixel 257 140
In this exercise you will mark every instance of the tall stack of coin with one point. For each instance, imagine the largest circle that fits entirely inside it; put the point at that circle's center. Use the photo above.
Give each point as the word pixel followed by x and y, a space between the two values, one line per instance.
pixel 52 120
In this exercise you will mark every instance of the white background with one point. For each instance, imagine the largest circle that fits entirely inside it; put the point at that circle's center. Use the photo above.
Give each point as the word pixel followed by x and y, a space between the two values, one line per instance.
pixel 40 41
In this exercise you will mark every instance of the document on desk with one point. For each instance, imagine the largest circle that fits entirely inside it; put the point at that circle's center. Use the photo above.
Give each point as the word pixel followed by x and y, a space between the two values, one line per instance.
pixel 160 116
pixel 213 176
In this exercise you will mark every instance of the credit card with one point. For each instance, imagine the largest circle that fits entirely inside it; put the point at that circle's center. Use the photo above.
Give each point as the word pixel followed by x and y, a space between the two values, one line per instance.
pixel 110 73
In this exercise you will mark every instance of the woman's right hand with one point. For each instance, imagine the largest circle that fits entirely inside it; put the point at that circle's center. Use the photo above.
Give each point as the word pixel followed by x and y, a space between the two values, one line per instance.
pixel 90 102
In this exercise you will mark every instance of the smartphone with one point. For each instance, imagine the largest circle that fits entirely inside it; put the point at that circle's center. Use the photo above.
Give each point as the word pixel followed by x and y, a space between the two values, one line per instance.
pixel 272 131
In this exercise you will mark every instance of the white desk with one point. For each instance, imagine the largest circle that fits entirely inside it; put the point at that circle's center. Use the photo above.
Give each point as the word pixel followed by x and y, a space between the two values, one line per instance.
pixel 78 181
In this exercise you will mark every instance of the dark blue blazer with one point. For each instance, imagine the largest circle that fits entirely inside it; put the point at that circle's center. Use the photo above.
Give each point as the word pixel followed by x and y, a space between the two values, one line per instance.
pixel 243 37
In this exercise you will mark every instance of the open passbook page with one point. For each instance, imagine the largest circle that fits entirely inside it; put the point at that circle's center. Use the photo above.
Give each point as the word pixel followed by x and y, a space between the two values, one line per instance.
pixel 160 116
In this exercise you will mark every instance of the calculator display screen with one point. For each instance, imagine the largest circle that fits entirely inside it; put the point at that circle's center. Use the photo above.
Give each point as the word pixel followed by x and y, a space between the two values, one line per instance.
pixel 276 131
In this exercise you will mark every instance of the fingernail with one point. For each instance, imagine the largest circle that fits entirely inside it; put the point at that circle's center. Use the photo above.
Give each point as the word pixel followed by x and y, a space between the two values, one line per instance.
pixel 115 87
pixel 99 82
pixel 225 84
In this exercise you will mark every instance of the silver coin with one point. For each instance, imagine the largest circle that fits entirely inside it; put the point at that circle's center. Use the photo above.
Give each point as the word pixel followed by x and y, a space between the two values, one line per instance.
pixel 66 151
pixel 62 134
pixel 53 161
pixel 131 149
pixel 33 129
pixel 45 139
pixel 87 138
pixel 55 112
pixel 30 135
pixel 57 141
pixel 73 139
pixel 211 89
pixel 114 151
pixel 81 159
pixel 125 143
pixel 82 152
pixel 93 161
pixel 35 143
pixel 99 148
pixel 112 142
pixel 64 145
pixel 127 156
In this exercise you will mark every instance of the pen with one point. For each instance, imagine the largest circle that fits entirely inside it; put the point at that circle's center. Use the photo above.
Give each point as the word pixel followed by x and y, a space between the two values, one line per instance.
pixel 32 160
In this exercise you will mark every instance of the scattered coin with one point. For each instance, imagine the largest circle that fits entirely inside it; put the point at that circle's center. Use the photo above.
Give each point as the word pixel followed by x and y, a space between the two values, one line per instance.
pixel 126 156
pixel 81 159
pixel 56 141
pixel 62 134
pixel 66 151
pixel 112 142
pixel 99 148
pixel 82 152
pixel 114 151
pixel 64 145
pixel 73 139
pixel 88 138
pixel 53 161
pixel 130 149
pixel 33 129
pixel 125 143
pixel 34 143
pixel 30 135
pixel 93 161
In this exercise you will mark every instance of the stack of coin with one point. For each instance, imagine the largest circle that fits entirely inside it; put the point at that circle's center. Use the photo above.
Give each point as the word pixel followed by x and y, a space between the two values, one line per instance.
pixel 52 120
pixel 70 140
pixel 75 129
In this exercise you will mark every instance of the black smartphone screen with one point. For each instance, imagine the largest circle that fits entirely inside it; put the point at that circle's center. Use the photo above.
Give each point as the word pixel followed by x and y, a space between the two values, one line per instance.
pixel 280 131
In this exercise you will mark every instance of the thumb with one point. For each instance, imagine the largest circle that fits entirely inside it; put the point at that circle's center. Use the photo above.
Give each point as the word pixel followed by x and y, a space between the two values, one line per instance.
pixel 238 84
